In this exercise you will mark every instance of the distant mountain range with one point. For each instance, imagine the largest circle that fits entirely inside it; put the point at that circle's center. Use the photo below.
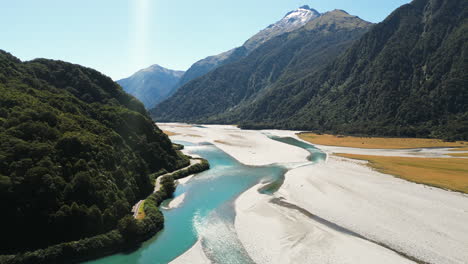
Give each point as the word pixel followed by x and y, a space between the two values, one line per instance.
pixel 407 76
pixel 152 85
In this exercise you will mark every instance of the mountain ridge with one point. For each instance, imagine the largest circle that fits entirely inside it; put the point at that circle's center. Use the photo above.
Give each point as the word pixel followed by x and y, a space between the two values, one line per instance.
pixel 210 63
pixel 233 86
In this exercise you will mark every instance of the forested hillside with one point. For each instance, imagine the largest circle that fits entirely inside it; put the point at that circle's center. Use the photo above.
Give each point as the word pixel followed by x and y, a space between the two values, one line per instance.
pixel 408 76
pixel 76 152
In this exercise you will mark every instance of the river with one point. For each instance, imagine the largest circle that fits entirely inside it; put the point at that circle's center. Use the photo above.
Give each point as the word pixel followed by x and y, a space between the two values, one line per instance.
pixel 207 212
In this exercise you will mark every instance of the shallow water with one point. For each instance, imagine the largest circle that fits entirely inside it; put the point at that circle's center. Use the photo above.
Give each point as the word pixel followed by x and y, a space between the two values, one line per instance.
pixel 207 212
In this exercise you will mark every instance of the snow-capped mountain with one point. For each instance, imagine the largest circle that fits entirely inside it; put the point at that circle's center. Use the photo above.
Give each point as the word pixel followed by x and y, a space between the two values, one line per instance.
pixel 291 21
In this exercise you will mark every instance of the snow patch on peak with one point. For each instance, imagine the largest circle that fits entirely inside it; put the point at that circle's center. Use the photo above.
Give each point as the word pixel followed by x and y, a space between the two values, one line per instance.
pixel 299 16
pixel 291 21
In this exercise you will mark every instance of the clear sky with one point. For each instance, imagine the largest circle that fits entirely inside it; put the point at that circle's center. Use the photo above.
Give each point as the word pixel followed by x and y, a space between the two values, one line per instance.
pixel 119 37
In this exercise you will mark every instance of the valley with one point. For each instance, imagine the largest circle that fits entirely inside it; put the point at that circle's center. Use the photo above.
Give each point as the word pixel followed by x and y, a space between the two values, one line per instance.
pixel 292 134
pixel 327 208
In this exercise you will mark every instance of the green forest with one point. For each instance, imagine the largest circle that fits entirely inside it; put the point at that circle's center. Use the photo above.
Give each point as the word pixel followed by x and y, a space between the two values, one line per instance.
pixel 76 152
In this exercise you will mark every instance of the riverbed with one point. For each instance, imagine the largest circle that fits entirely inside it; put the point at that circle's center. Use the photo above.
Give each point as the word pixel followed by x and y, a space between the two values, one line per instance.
pixel 272 198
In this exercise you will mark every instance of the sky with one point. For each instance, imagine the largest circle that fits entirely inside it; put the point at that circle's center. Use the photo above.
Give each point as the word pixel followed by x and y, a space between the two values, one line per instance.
pixel 120 37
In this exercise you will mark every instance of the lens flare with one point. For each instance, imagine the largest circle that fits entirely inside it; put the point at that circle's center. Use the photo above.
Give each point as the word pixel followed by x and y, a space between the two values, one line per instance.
pixel 141 15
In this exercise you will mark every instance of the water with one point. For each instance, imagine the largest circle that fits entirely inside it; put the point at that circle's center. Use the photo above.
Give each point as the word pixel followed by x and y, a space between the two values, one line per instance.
pixel 207 212
pixel 316 155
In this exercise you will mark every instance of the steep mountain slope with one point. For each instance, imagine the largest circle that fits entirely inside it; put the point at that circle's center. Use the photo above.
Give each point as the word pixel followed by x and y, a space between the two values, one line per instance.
pixel 152 85
pixel 222 92
pixel 75 153
pixel 291 21
pixel 408 76
pixel 207 64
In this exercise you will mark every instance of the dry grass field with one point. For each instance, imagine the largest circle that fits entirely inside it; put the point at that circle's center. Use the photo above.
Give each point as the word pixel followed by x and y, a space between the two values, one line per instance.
pixel 378 143
pixel 459 155
pixel 461 149
pixel 447 173
pixel 169 133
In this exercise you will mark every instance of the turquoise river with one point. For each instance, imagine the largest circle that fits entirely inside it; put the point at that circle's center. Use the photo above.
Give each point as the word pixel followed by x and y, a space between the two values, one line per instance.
pixel 207 211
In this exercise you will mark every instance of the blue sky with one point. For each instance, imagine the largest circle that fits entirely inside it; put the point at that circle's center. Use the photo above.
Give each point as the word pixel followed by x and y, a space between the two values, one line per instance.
pixel 119 37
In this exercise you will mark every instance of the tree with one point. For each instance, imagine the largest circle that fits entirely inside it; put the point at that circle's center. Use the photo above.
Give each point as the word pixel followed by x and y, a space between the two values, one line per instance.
pixel 128 227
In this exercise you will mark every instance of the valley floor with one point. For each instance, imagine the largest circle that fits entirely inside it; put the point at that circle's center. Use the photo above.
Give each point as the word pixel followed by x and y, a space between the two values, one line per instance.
pixel 336 211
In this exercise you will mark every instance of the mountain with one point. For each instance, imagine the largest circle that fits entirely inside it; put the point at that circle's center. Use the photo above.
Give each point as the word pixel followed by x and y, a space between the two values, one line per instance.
pixel 291 21
pixel 219 95
pixel 152 85
pixel 407 76
pixel 76 152
pixel 206 65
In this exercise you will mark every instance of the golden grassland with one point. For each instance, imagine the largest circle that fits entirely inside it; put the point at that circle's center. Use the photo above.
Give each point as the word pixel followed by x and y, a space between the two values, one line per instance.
pixel 461 155
pixel 169 133
pixel 141 212
pixel 378 142
pixel 447 173
pixel 461 149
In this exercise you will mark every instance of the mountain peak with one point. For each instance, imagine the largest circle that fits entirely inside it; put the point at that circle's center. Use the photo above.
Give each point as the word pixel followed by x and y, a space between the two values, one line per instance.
pixel 303 11
pixel 306 7
pixel 291 21
pixel 155 66
pixel 336 19
pixel 158 68
pixel 339 11
pixel 152 85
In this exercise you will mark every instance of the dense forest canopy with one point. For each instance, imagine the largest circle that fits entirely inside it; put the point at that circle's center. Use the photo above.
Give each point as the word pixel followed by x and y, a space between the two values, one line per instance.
pixel 75 153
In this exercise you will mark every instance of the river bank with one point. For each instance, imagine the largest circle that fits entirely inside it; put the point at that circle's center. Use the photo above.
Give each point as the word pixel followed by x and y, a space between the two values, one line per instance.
pixel 362 216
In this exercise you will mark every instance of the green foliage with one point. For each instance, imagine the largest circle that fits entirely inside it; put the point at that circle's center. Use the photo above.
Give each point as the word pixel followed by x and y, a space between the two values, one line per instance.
pixel 196 168
pixel 167 184
pixel 75 153
pixel 70 252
